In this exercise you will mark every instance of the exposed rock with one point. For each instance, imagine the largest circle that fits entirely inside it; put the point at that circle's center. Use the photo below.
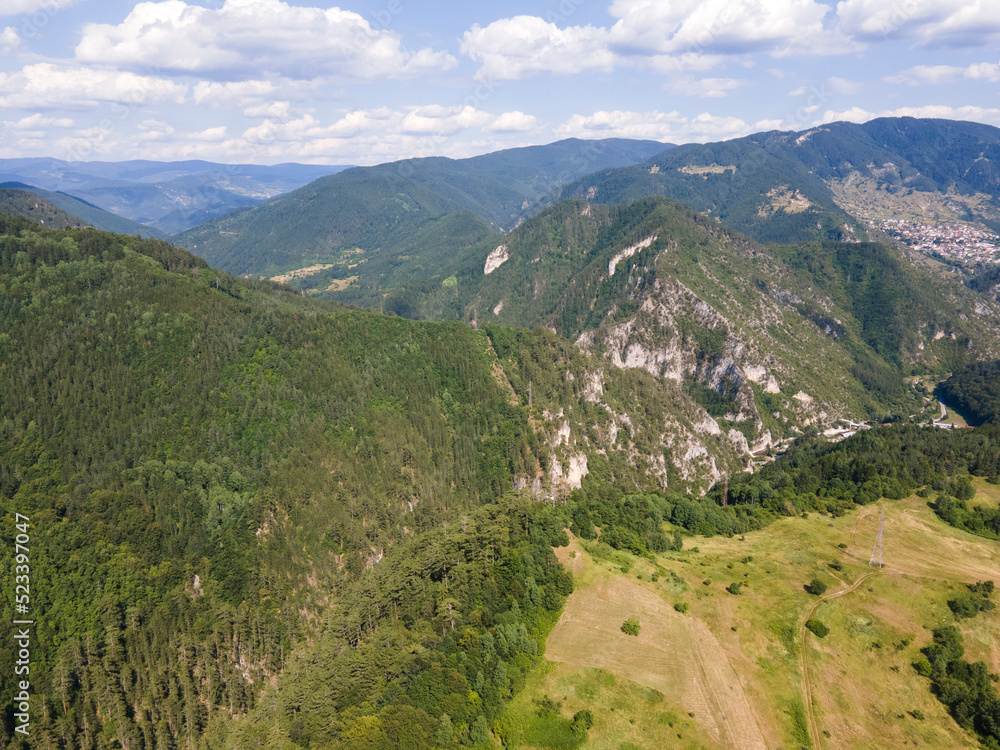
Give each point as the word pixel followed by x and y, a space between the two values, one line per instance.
pixel 496 259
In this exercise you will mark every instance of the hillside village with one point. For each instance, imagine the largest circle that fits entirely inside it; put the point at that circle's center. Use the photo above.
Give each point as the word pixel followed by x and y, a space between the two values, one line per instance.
pixel 958 242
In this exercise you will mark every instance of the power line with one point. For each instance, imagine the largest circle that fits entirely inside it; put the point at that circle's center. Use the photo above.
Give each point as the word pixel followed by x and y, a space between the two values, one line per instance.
pixel 878 551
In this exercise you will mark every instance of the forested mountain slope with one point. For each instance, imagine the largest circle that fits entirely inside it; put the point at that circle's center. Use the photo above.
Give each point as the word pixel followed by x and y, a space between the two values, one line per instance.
pixel 232 486
pixel 766 337
pixel 17 202
pixel 797 186
pixel 164 197
pixel 378 209
pixel 86 213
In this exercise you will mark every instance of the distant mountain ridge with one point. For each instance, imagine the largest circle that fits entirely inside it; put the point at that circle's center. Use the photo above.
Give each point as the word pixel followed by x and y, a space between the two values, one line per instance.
pixel 376 208
pixel 88 213
pixel 815 184
pixel 16 202
pixel 168 196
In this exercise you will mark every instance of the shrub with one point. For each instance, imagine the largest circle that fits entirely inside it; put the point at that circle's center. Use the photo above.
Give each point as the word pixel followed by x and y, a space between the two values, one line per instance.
pixel 681 607
pixel 631 626
pixel 734 588
pixel 818 628
pixel 816 587
pixel 582 721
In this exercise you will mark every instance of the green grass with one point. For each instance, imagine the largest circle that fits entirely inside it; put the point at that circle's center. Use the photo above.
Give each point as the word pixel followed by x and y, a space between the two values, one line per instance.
pixel 864 690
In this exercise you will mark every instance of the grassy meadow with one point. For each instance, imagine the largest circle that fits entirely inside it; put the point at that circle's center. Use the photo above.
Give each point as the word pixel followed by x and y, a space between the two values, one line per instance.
pixel 715 669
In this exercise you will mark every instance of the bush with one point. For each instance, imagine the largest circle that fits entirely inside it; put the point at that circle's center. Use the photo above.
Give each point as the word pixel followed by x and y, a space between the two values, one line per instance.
pixel 582 721
pixel 818 628
pixel 816 587
pixel 734 588
pixel 631 626
pixel 681 607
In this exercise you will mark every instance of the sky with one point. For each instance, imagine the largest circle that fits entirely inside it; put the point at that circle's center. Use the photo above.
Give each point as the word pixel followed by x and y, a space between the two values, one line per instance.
pixel 369 81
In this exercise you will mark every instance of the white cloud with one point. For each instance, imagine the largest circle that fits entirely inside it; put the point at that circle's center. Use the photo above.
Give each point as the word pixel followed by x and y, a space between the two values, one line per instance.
pixel 933 22
pixel 50 86
pixel 984 71
pixel 255 38
pixel 212 135
pixel 987 115
pixel 10 41
pixel 921 75
pixel 235 95
pixel 681 35
pixel 38 120
pixel 438 120
pixel 526 45
pixel 729 27
pixel 433 121
pixel 659 126
pixel 279 110
pixel 48 7
pixel 514 122
pixel 704 88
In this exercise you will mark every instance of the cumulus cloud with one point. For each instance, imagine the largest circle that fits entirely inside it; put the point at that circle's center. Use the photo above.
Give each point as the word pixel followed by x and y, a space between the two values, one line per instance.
pixel 658 126
pixel 983 71
pixel 430 121
pixel 51 86
pixel 922 75
pixel 526 45
pixel 514 122
pixel 10 41
pixel 244 39
pixel 681 35
pixel 933 22
pixel 987 115
pixel 730 27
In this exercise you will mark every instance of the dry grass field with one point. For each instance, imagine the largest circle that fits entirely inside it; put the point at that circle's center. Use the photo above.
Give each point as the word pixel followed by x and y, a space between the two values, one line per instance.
pixel 741 671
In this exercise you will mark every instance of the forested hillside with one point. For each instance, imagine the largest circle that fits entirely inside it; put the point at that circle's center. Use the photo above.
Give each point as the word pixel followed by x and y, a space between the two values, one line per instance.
pixel 16 202
pixel 386 211
pixel 229 486
pixel 799 186
pixel 975 391
pixel 764 337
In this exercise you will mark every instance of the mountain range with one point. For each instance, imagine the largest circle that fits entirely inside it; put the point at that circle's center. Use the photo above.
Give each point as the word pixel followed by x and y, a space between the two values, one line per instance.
pixel 525 450
pixel 167 197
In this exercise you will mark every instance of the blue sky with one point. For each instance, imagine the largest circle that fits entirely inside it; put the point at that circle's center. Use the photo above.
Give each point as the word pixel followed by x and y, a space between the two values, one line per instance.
pixel 367 81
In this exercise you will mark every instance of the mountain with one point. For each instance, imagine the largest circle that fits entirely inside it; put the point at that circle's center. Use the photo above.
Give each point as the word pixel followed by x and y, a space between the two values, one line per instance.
pixel 769 339
pixel 39 210
pixel 167 196
pixel 375 209
pixel 87 212
pixel 215 471
pixel 792 187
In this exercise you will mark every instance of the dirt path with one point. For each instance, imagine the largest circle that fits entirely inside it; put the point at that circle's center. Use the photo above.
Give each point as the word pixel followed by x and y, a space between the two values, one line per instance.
pixel 814 732
pixel 675 654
